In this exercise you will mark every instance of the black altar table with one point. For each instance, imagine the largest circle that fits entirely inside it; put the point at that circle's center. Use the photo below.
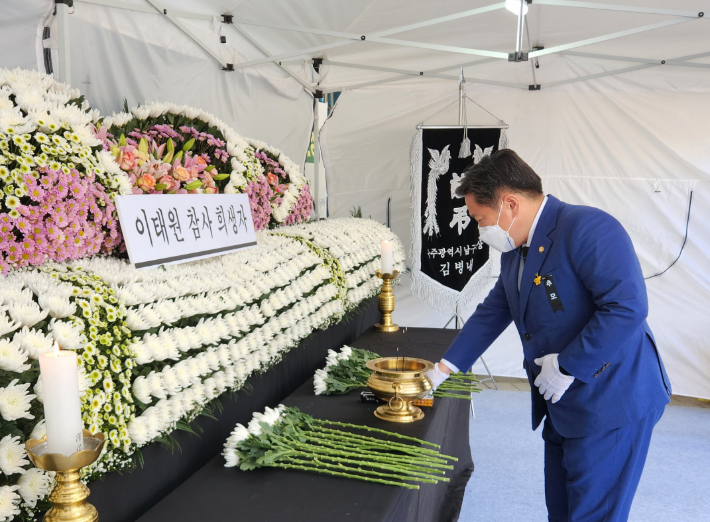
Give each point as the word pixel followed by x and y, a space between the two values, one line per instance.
pixel 220 494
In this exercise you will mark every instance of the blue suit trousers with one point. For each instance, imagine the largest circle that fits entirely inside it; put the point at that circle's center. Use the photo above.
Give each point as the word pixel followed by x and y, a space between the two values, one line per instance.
pixel 594 478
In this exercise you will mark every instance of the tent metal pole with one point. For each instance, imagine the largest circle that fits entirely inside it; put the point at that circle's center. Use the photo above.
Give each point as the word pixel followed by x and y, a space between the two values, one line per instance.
pixel 316 157
pixel 291 54
pixel 628 32
pixel 170 16
pixel 433 21
pixel 408 77
pixel 601 75
pixel 432 74
pixel 436 47
pixel 612 7
pixel 532 62
pixel 256 44
pixel 144 9
pixel 519 36
pixel 681 61
pixel 63 40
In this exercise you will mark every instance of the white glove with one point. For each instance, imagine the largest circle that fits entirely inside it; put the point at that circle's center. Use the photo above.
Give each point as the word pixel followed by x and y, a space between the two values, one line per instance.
pixel 436 377
pixel 551 381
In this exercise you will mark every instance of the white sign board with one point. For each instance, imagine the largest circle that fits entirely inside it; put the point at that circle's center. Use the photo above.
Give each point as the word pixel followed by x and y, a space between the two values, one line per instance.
pixel 166 229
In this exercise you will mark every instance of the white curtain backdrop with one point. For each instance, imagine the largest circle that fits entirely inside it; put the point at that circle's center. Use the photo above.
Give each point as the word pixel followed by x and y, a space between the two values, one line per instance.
pixel 633 145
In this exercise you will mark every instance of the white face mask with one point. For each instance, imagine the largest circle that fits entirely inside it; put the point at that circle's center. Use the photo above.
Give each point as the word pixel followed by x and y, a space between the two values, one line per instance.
pixel 496 237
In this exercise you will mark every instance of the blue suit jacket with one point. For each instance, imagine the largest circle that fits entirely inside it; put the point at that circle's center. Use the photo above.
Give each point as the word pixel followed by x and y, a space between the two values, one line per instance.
pixel 601 335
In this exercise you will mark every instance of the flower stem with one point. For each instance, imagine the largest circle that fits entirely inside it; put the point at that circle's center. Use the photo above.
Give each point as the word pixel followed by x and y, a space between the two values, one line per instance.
pixel 373 440
pixel 406 460
pixel 394 471
pixel 348 475
pixel 376 430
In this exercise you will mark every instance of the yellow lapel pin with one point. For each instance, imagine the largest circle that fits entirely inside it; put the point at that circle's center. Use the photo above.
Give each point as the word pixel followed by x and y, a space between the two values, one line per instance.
pixel 537 279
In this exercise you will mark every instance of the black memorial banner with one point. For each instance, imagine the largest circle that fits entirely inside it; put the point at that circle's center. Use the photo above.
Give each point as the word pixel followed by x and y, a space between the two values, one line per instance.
pixel 450 264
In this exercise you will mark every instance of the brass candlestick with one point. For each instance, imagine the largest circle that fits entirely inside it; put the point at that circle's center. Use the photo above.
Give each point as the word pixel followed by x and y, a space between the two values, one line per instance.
pixel 386 303
pixel 70 494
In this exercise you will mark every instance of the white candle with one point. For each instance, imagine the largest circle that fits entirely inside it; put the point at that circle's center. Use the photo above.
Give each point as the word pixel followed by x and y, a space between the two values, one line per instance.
pixel 62 407
pixel 387 257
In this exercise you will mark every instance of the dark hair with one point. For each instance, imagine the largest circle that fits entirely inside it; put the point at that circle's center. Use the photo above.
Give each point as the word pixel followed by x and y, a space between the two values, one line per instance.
pixel 503 170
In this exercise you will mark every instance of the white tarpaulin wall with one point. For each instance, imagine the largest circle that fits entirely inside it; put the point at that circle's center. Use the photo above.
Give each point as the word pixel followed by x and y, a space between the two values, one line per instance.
pixel 634 144
pixel 636 154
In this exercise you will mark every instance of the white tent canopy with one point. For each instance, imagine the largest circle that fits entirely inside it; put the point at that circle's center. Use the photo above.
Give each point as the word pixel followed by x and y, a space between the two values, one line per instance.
pixel 619 121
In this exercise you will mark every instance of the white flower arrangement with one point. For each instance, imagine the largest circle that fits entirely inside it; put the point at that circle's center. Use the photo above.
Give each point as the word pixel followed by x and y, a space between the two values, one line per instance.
pixel 156 347
pixel 54 123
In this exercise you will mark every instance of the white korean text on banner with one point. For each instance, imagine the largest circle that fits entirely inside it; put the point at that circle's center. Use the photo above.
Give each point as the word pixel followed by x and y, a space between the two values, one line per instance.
pixel 450 263
pixel 164 229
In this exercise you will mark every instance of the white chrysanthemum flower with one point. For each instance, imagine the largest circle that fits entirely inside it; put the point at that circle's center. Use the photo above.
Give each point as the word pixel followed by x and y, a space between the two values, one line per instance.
pixel 239 434
pixel 155 382
pixel 39 431
pixel 345 353
pixel 135 321
pixel 231 459
pixel 319 381
pixel 15 401
pixel 12 357
pixel 143 354
pixel 34 485
pixel 37 388
pixel 12 455
pixel 7 325
pixel 182 373
pixel 331 359
pixel 9 502
pixel 34 342
pixel 138 431
pixel 182 338
pixel 58 307
pixel 27 313
pixel 141 390
pixel 171 383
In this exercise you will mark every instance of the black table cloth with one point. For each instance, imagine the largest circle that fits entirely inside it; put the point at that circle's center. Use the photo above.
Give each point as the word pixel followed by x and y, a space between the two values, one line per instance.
pixel 125 497
pixel 218 494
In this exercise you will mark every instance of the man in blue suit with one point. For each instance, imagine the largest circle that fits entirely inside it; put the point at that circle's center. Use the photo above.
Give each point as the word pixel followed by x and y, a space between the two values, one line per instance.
pixel 572 284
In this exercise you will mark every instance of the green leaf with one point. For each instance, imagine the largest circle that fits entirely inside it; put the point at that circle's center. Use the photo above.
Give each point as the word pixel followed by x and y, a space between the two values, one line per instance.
pixel 160 186
pixel 220 177
pixel 122 141
pixel 193 185
pixel 210 168
pixel 178 156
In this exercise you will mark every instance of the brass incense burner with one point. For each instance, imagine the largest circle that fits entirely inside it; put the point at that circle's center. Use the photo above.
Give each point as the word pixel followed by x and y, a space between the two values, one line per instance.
pixel 70 494
pixel 399 381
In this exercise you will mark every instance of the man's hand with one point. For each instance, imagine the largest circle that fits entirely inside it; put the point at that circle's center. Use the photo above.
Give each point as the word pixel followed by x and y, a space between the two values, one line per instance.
pixel 551 381
pixel 437 376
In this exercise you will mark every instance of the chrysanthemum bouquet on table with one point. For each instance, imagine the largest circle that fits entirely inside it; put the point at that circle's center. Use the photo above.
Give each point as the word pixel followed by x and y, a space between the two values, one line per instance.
pixel 343 371
pixel 57 183
pixel 288 439
pixel 347 371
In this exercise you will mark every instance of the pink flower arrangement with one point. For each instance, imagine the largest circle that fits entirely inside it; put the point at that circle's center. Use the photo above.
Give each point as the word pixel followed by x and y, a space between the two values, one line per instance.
pixel 260 195
pixel 162 160
pixel 302 209
pixel 69 216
